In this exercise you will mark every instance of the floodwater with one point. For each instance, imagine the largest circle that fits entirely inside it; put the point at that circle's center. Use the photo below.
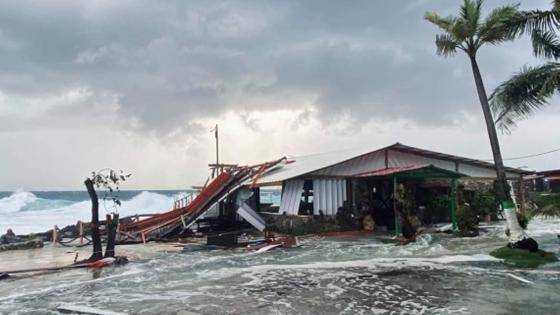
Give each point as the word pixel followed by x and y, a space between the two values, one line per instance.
pixel 360 275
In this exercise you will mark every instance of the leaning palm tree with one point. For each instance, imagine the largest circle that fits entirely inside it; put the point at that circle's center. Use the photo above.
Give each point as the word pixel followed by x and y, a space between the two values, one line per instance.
pixel 467 33
pixel 531 88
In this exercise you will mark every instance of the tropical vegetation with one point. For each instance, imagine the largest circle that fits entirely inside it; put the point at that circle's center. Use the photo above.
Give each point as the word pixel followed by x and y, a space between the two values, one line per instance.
pixel 532 87
pixel 468 32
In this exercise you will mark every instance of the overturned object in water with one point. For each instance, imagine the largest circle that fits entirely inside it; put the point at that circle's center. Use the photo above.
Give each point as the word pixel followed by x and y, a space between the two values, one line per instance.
pixel 518 239
pixel 523 258
pixel 22 245
pixel 271 243
pixel 77 309
pixel 100 263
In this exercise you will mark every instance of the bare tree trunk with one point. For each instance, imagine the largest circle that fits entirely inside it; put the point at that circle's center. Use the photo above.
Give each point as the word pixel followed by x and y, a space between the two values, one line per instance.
pixel 517 237
pixel 112 222
pixel 95 237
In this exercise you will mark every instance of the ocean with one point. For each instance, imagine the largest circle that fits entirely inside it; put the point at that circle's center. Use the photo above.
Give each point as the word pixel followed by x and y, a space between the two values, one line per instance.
pixel 438 274
pixel 38 211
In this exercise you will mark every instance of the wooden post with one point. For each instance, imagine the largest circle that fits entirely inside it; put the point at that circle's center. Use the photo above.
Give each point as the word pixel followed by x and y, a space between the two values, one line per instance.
pixel 453 204
pixel 81 231
pixel 521 192
pixel 54 234
pixel 118 231
pixel 183 221
pixel 258 199
pixel 397 216
pixel 112 223
pixel 95 236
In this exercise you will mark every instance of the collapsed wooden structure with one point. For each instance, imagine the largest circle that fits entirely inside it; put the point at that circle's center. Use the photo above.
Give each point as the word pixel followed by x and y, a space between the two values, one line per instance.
pixel 226 184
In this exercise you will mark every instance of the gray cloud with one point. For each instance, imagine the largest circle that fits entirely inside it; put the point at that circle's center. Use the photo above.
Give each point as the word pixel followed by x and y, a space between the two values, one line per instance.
pixel 164 64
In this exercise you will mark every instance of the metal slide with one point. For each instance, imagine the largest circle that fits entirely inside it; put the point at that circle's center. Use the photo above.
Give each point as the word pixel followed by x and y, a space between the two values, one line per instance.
pixel 247 213
pixel 161 224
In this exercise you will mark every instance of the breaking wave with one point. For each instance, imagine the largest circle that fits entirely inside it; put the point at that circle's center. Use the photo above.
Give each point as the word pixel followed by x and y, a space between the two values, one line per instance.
pixel 16 201
pixel 25 212
pixel 27 201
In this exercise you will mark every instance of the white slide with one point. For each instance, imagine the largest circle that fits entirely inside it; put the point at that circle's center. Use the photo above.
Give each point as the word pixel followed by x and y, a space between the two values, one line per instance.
pixel 251 216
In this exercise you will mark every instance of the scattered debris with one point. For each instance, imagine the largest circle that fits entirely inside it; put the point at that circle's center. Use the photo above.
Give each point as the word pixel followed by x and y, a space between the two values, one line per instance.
pixel 519 278
pixel 267 248
pixel 224 189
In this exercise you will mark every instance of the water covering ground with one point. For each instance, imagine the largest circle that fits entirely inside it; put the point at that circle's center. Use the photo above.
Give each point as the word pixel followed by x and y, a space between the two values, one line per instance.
pixel 361 275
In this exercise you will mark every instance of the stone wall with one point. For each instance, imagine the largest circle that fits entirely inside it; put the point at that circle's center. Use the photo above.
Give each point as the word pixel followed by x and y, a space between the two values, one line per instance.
pixel 302 225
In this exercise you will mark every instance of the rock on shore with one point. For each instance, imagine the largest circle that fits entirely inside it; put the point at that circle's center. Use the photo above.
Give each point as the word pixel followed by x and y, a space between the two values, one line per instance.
pixel 36 243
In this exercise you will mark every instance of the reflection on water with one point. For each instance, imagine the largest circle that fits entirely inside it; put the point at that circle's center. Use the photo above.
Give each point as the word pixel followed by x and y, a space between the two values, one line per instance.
pixel 436 275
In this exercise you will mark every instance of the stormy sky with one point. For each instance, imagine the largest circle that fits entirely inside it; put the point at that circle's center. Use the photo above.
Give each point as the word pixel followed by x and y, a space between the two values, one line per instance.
pixel 137 85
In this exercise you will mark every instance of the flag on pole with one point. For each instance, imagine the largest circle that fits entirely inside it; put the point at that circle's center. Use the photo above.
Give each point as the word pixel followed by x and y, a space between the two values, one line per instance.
pixel 215 130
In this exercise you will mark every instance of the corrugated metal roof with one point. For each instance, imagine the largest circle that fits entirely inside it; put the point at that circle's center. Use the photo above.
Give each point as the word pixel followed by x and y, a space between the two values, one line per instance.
pixel 350 162
pixel 400 146
pixel 299 165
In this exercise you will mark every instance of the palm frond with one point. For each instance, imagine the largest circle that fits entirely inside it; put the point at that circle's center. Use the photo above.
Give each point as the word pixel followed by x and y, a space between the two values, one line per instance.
pixel 470 13
pixel 528 21
pixel 556 5
pixel 494 28
pixel 453 26
pixel 461 30
pixel 444 23
pixel 552 83
pixel 547 212
pixel 545 44
pixel 524 93
pixel 446 45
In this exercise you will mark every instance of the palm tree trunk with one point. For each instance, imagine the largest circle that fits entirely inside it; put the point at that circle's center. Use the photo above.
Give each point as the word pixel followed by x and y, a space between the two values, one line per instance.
pixel 517 237
pixel 502 191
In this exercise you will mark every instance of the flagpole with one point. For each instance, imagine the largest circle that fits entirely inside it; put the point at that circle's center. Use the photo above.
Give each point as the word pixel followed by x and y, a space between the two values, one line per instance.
pixel 217 149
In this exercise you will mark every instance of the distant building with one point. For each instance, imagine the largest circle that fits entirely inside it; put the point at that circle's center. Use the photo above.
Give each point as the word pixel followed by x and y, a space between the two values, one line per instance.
pixel 549 181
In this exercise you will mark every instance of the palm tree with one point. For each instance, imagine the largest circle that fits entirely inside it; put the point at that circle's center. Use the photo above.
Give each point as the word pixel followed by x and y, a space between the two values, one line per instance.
pixel 468 32
pixel 531 88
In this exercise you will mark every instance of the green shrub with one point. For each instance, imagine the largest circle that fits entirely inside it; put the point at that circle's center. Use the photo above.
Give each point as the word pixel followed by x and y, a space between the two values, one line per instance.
pixel 547 204
pixel 484 203
pixel 523 258
pixel 467 220
pixel 523 219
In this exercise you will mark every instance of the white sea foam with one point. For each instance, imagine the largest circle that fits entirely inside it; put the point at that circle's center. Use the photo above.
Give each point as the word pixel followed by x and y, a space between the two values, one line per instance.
pixel 16 201
pixel 539 226
pixel 25 213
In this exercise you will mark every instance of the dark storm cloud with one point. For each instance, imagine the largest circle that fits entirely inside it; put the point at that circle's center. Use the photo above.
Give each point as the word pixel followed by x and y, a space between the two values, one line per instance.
pixel 167 63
